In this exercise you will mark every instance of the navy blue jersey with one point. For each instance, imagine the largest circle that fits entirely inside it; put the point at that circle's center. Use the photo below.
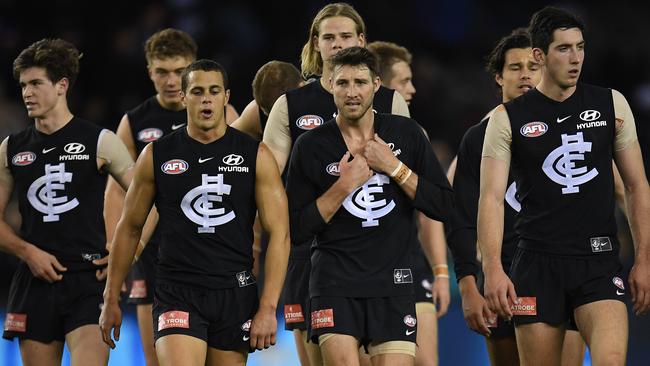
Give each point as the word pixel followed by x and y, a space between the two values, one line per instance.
pixel 562 160
pixel 365 250
pixel 61 191
pixel 205 195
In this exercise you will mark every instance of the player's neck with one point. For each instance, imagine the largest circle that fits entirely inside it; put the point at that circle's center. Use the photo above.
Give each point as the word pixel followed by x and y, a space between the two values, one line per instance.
pixel 169 106
pixel 554 91
pixel 325 78
pixel 206 136
pixel 55 119
pixel 361 130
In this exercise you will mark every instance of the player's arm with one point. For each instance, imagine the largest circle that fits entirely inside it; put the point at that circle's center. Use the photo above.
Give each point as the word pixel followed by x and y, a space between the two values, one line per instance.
pixel 114 194
pixel 274 215
pixel 42 264
pixel 399 106
pixel 231 114
pixel 137 204
pixel 494 179
pixel 424 183
pixel 310 213
pixel 249 121
pixel 461 231
pixel 619 189
pixel 627 155
pixel 277 135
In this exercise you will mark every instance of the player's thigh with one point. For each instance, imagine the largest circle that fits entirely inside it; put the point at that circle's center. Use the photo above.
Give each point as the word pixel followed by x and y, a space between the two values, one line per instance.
pixel 539 343
pixel 34 353
pixel 218 357
pixel 573 349
pixel 604 326
pixel 181 349
pixel 86 346
pixel 427 335
pixel 339 349
pixel 503 351
pixel 393 353
pixel 145 321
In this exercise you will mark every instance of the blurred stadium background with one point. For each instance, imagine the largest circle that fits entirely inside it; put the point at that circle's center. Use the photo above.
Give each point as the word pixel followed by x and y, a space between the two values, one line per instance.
pixel 449 40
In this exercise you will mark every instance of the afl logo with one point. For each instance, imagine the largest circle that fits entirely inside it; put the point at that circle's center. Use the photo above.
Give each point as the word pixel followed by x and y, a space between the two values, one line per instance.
pixel 149 134
pixel 233 159
pixel 74 148
pixel 333 169
pixel 533 129
pixel 23 158
pixel 589 115
pixel 309 121
pixel 618 282
pixel 410 321
pixel 174 166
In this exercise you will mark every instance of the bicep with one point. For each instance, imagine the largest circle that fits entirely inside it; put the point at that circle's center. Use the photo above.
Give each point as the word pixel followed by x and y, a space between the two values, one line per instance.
pixel 249 121
pixel 141 192
pixel 630 165
pixel 277 135
pixel 270 195
pixel 116 156
pixel 494 178
pixel 125 134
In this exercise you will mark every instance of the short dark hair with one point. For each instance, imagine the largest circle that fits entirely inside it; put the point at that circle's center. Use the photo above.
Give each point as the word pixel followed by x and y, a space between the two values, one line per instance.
pixel 388 54
pixel 168 43
pixel 203 65
pixel 272 80
pixel 356 56
pixel 519 38
pixel 544 22
pixel 59 58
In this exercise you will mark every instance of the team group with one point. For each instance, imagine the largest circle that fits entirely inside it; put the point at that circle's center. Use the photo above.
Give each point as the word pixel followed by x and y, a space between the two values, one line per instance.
pixel 327 175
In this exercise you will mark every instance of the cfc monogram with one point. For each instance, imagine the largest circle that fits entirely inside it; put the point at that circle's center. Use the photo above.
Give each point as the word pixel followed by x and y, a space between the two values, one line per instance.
pixel 560 164
pixel 362 204
pixel 42 193
pixel 198 206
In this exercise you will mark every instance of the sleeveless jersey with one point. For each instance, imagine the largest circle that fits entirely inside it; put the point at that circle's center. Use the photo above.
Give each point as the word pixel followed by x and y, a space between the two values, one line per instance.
pixel 150 121
pixel 60 191
pixel 562 160
pixel 205 195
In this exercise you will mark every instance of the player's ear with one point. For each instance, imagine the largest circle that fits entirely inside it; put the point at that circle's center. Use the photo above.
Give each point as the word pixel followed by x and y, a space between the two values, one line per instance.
pixel 183 101
pixel 539 55
pixel 499 79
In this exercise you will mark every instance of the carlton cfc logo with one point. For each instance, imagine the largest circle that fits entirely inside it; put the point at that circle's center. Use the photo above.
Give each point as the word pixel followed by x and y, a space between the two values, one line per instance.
pixel 309 121
pixel 149 135
pixel 533 129
pixel 23 158
pixel 174 166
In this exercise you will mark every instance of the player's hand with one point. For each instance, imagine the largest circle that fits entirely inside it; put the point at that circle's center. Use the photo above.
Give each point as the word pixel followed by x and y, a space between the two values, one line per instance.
pixel 101 273
pixel 440 295
pixel 498 288
pixel 475 308
pixel 110 319
pixel 43 264
pixel 379 156
pixel 639 281
pixel 353 173
pixel 264 328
